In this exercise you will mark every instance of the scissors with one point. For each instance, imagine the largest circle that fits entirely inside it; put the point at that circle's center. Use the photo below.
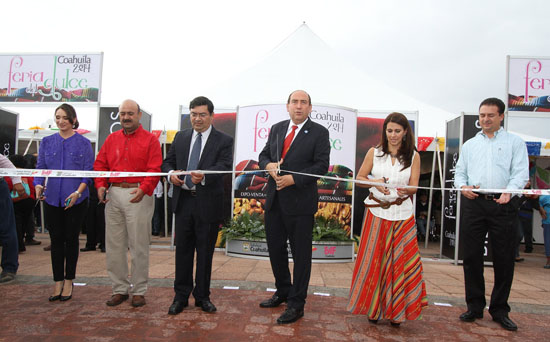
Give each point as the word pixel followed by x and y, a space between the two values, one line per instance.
pixel 43 192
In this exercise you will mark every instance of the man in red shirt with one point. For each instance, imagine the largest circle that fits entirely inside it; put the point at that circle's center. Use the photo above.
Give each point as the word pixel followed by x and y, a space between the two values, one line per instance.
pixel 129 206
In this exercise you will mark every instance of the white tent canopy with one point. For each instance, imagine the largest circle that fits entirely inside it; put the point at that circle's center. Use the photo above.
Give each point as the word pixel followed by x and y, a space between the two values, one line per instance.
pixel 305 61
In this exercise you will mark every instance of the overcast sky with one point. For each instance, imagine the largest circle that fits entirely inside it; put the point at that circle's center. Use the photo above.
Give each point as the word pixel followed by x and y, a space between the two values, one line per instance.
pixel 450 54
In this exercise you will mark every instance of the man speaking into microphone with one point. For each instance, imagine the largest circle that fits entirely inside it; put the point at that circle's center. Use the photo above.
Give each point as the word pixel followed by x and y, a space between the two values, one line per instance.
pixel 300 145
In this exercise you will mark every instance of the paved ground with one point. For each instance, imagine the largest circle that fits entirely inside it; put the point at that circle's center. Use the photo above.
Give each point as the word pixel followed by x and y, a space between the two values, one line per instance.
pixel 27 315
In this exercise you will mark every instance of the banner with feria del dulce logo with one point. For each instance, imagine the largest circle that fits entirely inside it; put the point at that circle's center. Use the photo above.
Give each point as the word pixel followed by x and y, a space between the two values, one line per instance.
pixel 529 84
pixel 252 131
pixel 50 78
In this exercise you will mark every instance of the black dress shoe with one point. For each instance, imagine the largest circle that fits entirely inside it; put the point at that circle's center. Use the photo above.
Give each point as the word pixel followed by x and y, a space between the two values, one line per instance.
pixel 177 307
pixel 272 302
pixel 506 323
pixel 66 298
pixel 206 305
pixel 470 316
pixel 290 315
pixel 54 298
pixel 87 249
pixel 373 321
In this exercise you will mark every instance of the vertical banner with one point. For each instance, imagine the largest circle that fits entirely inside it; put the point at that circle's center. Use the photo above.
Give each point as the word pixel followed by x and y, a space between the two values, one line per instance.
pixel 109 122
pixel 50 77
pixel 9 122
pixel 529 84
pixel 458 132
pixel 450 198
pixel 254 124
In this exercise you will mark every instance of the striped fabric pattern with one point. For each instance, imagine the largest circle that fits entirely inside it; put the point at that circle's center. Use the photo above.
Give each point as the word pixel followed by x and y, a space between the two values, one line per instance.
pixel 387 278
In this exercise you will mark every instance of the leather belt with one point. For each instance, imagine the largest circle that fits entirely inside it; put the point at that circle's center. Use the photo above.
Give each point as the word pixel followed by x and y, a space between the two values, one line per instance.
pixel 489 197
pixel 384 204
pixel 126 185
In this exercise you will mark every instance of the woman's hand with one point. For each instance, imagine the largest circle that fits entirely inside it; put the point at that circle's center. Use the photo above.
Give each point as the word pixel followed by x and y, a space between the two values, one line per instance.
pixel 71 200
pixel 401 192
pixel 382 188
pixel 39 192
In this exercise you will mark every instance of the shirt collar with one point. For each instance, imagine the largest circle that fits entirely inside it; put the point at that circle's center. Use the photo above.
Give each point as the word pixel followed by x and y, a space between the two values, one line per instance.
pixel 500 130
pixel 204 134
pixel 134 132
pixel 299 126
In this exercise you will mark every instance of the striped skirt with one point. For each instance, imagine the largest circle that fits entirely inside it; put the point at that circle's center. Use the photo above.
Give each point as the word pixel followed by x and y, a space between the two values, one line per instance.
pixel 387 278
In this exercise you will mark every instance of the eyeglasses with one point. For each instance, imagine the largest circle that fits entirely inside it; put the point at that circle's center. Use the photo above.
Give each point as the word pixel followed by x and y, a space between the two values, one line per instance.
pixel 197 115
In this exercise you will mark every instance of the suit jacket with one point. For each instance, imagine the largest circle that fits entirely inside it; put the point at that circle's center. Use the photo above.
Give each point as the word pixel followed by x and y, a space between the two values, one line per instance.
pixel 309 153
pixel 216 155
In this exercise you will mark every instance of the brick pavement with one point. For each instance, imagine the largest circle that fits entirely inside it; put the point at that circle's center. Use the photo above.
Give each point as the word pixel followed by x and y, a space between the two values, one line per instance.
pixel 27 315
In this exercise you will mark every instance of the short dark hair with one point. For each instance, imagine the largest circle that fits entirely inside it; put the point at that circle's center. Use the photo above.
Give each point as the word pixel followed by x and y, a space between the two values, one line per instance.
pixel 18 161
pixel 289 96
pixel 202 101
pixel 31 161
pixel 71 114
pixel 493 101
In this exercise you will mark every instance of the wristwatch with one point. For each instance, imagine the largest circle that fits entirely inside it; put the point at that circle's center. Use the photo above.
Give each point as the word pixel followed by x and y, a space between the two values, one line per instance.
pixel 78 193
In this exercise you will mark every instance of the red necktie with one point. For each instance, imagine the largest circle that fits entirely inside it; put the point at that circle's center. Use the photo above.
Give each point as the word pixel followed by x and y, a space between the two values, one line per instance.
pixel 288 141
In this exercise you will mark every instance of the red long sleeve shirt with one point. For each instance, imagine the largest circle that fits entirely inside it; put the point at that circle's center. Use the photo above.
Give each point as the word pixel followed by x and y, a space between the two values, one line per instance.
pixel 135 152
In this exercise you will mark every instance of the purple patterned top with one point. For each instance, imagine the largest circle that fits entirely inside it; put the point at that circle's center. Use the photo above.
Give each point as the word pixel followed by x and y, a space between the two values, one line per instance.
pixel 56 153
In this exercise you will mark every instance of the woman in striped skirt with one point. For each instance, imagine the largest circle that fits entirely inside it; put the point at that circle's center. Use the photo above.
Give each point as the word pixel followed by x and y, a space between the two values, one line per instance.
pixel 387 278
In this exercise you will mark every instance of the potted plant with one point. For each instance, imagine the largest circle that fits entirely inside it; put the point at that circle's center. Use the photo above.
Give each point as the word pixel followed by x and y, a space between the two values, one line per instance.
pixel 244 235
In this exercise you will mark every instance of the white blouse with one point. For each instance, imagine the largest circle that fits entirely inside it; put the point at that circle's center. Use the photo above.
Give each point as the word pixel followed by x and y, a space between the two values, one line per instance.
pixel 382 167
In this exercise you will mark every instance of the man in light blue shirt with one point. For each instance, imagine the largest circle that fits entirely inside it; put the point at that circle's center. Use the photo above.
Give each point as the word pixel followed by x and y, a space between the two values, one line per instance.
pixel 493 159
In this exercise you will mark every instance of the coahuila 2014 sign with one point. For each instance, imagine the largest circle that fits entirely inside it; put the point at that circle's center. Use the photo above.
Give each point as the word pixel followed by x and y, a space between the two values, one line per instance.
pixel 50 78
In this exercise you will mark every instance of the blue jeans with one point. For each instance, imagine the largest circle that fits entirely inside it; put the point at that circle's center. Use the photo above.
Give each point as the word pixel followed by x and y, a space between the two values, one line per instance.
pixel 8 232
pixel 421 225
pixel 546 232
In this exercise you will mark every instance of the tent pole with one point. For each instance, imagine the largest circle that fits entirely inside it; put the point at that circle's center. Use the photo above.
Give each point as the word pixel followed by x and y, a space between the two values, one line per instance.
pixel 430 198
pixel 442 185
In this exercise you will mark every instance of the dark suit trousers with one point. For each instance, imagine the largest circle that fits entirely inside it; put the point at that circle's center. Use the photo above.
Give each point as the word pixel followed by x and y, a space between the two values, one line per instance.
pixel 23 220
pixel 64 227
pixel 480 217
pixel 95 224
pixel 298 230
pixel 193 234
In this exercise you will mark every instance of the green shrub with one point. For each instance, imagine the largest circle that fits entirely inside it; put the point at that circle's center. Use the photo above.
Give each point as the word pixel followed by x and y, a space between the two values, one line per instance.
pixel 328 230
pixel 251 227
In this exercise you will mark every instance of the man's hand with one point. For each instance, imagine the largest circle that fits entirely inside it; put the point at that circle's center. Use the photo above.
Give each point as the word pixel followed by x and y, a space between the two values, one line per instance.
pixel 102 195
pixel 542 213
pixel 175 179
pixel 284 181
pixel 467 191
pixel 503 199
pixel 138 195
pixel 272 169
pixel 196 177
pixel 20 190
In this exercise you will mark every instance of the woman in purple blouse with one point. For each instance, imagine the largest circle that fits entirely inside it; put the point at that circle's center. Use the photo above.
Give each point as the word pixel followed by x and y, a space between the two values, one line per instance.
pixel 65 199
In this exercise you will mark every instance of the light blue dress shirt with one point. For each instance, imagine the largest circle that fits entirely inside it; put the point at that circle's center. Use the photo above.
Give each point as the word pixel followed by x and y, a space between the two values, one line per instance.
pixel 500 162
